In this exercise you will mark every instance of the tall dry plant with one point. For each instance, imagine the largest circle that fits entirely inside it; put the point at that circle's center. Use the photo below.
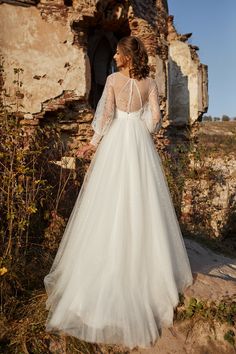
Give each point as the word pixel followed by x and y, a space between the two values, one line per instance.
pixel 32 192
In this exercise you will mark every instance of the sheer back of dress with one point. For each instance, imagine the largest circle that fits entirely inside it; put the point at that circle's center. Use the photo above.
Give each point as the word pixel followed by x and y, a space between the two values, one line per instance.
pixel 127 95
pixel 130 94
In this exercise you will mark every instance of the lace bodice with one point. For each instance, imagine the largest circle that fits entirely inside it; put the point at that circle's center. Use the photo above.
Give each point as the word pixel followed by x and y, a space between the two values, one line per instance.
pixel 128 95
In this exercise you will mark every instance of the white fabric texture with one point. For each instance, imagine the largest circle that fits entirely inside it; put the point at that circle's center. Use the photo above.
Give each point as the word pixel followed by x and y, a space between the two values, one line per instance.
pixel 127 95
pixel 122 261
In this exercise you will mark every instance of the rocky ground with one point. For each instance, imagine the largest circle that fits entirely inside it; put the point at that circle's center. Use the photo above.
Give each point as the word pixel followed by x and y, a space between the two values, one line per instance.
pixel 215 279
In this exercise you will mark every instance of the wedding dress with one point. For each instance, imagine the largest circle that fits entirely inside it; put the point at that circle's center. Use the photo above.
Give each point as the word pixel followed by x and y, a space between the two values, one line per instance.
pixel 122 262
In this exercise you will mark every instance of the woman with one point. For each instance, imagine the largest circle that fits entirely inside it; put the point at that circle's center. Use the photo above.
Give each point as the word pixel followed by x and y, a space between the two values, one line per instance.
pixel 122 262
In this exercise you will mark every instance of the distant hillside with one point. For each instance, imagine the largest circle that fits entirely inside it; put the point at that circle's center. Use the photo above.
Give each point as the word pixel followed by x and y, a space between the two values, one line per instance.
pixel 220 137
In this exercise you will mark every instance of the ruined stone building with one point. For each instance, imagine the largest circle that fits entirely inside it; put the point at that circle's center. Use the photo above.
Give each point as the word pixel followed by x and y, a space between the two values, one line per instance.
pixel 56 55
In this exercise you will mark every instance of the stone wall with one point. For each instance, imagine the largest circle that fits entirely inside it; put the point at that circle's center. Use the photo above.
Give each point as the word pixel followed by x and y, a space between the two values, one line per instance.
pixel 208 205
pixel 52 62
pixel 187 79
pixel 187 85
pixel 41 62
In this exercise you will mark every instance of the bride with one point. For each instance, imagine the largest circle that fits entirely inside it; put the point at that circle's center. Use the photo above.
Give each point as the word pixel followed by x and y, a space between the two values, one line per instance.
pixel 122 262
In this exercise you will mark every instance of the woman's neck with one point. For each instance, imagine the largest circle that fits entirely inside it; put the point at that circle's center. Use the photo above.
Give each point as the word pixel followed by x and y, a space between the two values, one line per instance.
pixel 125 71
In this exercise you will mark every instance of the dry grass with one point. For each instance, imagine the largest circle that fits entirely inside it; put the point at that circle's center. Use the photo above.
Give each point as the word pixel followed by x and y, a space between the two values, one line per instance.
pixel 26 333
pixel 218 138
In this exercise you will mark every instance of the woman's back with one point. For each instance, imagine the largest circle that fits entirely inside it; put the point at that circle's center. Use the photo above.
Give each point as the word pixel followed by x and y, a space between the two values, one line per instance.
pixel 130 94
pixel 127 95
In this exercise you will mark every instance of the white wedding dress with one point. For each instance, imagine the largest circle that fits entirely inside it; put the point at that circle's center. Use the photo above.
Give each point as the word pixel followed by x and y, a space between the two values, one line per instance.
pixel 122 262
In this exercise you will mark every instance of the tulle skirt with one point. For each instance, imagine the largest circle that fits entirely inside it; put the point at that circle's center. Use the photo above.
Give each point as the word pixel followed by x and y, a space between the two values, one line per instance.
pixel 122 261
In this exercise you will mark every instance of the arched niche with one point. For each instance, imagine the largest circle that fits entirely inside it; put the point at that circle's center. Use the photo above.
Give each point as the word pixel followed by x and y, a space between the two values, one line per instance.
pixel 101 48
pixel 98 35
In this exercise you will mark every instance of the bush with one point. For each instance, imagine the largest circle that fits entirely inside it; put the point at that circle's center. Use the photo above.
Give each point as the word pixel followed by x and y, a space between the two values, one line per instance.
pixel 32 205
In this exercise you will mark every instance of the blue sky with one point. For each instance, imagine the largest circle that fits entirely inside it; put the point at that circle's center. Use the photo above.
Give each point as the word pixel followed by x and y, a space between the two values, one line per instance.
pixel 213 24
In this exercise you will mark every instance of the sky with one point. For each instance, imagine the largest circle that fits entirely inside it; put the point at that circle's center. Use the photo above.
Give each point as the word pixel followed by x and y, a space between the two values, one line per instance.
pixel 213 24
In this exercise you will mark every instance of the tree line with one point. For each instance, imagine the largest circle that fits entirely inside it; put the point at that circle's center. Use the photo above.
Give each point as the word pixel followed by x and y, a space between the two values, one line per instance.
pixel 224 118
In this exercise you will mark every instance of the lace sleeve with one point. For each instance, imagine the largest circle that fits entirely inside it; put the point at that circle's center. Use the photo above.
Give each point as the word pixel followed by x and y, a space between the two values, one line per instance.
pixel 152 114
pixel 104 112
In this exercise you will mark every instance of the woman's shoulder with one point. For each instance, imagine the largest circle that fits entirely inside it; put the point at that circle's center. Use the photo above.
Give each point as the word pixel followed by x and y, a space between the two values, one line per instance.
pixel 152 83
pixel 110 78
pixel 112 75
pixel 151 80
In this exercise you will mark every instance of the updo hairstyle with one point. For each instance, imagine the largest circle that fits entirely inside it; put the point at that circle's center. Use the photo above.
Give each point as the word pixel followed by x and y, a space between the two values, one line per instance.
pixel 134 48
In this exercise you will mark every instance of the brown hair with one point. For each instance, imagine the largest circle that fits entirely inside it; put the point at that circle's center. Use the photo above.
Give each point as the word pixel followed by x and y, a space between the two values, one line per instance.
pixel 132 46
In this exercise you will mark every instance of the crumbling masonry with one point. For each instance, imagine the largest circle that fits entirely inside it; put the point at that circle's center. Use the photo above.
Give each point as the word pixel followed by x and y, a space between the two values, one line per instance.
pixel 56 55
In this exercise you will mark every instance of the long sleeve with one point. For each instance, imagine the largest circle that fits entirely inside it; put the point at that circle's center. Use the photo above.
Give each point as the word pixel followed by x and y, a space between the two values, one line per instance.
pixel 152 114
pixel 104 112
